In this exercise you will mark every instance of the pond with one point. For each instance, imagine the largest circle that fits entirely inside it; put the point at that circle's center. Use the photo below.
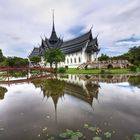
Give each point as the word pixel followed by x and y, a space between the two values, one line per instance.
pixel 105 106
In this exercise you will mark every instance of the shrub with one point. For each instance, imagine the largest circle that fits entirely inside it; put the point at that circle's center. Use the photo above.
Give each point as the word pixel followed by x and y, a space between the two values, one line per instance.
pixel 133 68
pixel 102 71
pixel 62 70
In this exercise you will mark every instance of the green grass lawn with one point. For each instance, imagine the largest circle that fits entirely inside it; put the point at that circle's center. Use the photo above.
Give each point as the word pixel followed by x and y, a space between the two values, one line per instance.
pixel 98 71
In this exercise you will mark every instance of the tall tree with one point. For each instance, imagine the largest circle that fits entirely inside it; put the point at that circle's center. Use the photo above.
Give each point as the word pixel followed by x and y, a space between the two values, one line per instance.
pixel 1 56
pixel 134 55
pixel 54 55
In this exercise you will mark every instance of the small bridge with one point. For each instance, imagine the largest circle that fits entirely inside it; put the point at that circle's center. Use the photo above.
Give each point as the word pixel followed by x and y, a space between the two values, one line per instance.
pixel 43 71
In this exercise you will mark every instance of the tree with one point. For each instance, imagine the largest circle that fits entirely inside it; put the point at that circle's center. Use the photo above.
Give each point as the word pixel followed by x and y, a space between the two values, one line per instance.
pixel 54 55
pixel 133 56
pixel 1 56
pixel 103 57
pixel 16 61
pixel 134 80
pixel 35 59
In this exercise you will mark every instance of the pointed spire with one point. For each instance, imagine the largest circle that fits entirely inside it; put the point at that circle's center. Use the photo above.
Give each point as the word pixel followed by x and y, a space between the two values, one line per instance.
pixel 53 38
pixel 55 99
pixel 53 20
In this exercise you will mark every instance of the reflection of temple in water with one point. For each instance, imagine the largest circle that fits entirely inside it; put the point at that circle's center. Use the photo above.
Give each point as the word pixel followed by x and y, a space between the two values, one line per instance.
pixel 71 85
pixel 106 78
pixel 81 89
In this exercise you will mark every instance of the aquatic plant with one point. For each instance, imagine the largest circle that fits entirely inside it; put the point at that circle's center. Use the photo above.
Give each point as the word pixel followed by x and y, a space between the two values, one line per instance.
pixel 71 134
pixel 91 128
pixel 136 136
pixel 97 134
pixel 107 134
pixel 86 125
pixel 51 138
pixel 97 138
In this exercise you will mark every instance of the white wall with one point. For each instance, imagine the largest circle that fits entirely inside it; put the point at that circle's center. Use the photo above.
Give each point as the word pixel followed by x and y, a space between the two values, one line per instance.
pixel 73 60
pixel 94 56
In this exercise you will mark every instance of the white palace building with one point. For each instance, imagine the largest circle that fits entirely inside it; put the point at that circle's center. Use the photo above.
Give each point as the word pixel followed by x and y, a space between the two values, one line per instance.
pixel 77 51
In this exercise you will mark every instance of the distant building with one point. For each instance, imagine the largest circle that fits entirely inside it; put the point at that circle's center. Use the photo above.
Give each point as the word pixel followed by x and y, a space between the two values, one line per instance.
pixel 77 51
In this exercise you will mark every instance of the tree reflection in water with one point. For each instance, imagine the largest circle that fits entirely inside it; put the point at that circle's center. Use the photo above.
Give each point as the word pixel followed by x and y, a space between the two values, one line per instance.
pixel 134 80
pixel 2 92
pixel 53 88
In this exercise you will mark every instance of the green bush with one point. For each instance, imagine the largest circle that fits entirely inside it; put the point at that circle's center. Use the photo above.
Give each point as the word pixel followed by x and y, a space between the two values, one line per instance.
pixel 62 70
pixel 133 68
pixel 102 71
pixel 3 63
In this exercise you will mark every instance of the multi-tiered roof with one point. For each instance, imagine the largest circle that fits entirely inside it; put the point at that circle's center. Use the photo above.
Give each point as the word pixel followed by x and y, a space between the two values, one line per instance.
pixel 67 47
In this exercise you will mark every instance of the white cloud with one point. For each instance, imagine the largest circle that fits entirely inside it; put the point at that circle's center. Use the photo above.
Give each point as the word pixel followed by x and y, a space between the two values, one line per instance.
pixel 24 21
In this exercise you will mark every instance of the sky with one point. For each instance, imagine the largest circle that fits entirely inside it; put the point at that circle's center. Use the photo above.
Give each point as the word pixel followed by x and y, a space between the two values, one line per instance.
pixel 24 22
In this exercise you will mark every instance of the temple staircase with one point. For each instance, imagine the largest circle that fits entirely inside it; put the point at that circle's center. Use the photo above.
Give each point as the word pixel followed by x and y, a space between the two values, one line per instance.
pixel 83 65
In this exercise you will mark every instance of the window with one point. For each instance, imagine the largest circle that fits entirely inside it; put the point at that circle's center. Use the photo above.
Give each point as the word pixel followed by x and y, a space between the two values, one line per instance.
pixel 71 60
pixel 79 59
pixel 67 60
pixel 75 60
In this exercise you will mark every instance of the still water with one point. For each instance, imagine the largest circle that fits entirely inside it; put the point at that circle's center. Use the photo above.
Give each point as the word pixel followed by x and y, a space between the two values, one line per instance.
pixel 41 108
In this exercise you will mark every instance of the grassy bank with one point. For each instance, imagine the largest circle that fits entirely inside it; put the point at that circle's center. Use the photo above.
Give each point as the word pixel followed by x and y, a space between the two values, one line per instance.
pixel 98 71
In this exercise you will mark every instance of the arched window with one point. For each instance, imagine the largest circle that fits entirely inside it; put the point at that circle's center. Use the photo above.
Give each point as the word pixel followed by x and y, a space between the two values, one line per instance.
pixel 71 60
pixel 79 59
pixel 67 60
pixel 75 60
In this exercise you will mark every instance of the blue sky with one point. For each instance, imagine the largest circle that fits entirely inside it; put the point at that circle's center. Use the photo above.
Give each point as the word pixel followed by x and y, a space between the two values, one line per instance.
pixel 24 22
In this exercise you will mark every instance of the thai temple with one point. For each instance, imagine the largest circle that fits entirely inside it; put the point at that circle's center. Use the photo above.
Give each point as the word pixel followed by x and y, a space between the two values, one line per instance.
pixel 77 51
